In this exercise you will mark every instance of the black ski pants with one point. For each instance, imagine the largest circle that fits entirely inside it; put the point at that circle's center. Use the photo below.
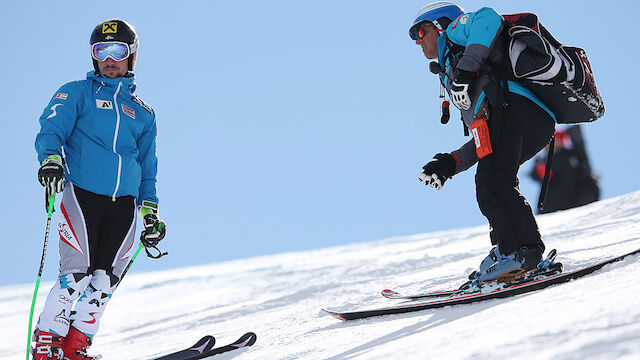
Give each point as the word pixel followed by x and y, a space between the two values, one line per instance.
pixel 525 129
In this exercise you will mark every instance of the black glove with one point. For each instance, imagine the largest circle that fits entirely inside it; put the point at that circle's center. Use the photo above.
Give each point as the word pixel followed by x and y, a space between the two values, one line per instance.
pixel 154 230
pixel 460 88
pixel 464 77
pixel 436 172
pixel 51 174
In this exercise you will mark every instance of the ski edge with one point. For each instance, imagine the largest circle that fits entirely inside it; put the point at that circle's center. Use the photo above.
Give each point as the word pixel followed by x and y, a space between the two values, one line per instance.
pixel 392 294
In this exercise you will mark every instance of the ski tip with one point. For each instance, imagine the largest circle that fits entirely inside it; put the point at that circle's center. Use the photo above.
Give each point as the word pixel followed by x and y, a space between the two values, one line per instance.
pixel 204 344
pixel 252 338
pixel 334 314
pixel 247 339
pixel 389 293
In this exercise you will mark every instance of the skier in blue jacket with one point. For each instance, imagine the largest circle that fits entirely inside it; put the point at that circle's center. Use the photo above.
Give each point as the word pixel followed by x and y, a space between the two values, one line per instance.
pixel 508 122
pixel 97 145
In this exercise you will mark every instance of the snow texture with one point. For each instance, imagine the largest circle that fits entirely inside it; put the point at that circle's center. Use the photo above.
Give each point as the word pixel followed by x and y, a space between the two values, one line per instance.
pixel 279 297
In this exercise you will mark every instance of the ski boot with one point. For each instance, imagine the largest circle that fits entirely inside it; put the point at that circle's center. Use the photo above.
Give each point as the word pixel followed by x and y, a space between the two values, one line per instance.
pixel 512 266
pixel 489 260
pixel 48 346
pixel 473 284
pixel 76 345
pixel 493 256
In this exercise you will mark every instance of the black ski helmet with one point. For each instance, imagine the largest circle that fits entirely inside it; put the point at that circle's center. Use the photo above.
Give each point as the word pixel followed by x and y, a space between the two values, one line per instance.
pixel 116 30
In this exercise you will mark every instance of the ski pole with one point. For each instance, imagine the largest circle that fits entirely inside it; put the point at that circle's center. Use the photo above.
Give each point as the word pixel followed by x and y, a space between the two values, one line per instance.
pixel 140 246
pixel 50 200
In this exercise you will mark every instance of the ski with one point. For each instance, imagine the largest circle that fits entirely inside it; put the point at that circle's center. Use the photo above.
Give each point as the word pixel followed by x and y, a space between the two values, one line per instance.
pixel 245 340
pixel 204 348
pixel 469 287
pixel 485 293
pixel 204 344
pixel 546 268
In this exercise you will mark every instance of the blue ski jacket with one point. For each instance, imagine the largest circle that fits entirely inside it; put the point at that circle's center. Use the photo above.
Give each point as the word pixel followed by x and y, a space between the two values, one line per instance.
pixel 478 32
pixel 473 42
pixel 106 134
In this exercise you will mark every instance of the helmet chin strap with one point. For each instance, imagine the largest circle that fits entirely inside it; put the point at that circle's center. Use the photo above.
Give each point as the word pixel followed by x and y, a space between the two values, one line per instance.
pixel 132 60
pixel 437 25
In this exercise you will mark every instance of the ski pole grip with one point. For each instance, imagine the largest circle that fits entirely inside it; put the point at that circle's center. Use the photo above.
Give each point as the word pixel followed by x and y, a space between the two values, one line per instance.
pixel 49 200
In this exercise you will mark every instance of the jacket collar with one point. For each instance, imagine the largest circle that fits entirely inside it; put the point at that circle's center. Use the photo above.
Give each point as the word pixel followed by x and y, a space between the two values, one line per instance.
pixel 128 81
pixel 442 47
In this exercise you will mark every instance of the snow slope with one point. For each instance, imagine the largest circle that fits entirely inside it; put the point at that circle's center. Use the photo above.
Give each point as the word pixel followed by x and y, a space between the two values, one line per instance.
pixel 279 297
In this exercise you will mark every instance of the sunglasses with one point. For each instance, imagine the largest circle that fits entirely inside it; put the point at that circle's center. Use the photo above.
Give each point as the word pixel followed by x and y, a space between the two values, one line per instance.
pixel 114 49
pixel 421 32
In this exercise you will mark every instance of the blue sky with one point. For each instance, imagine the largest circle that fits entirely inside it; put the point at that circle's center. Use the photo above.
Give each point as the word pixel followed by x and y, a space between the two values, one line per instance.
pixel 285 125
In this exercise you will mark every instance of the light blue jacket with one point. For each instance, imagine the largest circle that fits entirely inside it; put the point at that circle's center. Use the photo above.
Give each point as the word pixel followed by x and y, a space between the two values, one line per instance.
pixel 106 134
pixel 476 37
pixel 478 33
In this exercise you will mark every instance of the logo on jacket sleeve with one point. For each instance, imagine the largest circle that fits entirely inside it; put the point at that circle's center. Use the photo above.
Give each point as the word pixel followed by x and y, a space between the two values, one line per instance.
pixel 462 19
pixel 53 108
pixel 62 96
pixel 129 111
pixel 104 104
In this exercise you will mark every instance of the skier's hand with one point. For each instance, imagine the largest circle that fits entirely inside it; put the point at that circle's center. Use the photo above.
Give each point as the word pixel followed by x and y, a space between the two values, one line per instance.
pixel 460 89
pixel 436 172
pixel 51 174
pixel 154 228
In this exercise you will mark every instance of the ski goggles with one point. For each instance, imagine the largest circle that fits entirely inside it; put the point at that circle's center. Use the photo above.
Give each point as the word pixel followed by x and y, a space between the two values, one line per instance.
pixel 113 49
pixel 421 32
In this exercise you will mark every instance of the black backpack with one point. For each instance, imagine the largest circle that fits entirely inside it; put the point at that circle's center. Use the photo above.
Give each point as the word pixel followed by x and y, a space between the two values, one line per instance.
pixel 558 74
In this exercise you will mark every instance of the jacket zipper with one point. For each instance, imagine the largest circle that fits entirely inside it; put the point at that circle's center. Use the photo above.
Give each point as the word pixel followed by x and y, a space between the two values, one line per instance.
pixel 64 160
pixel 115 138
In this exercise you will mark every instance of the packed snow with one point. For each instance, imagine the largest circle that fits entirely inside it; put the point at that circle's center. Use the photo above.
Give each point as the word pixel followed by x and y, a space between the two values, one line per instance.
pixel 280 297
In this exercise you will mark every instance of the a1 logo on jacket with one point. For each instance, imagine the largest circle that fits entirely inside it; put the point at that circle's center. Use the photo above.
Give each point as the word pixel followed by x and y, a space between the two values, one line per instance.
pixel 104 104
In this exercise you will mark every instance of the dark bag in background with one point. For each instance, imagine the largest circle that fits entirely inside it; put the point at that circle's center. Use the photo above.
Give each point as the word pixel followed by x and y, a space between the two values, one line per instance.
pixel 559 75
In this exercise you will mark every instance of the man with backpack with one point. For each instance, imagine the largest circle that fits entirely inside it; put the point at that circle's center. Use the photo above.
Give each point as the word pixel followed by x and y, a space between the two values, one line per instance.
pixel 509 124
